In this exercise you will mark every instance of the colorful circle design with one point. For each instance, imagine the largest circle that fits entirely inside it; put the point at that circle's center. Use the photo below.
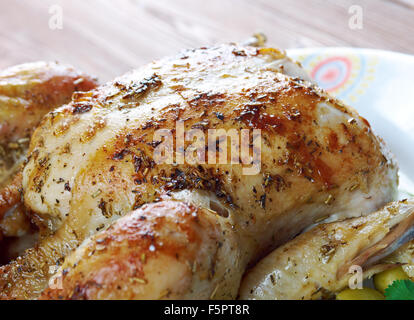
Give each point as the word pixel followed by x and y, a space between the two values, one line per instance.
pixel 332 73
pixel 347 76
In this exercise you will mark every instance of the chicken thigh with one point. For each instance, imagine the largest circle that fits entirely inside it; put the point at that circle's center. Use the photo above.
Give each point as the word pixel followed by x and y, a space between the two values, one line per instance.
pixel 92 161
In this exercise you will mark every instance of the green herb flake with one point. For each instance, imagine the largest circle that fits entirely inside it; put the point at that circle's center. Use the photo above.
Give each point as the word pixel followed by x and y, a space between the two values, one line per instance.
pixel 400 290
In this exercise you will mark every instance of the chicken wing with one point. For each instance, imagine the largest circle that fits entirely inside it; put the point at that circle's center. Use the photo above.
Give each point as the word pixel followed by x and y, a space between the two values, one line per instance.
pixel 316 263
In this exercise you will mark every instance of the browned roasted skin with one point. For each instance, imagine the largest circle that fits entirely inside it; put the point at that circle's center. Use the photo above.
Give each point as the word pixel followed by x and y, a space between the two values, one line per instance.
pixel 10 194
pixel 166 250
pixel 91 162
pixel 27 93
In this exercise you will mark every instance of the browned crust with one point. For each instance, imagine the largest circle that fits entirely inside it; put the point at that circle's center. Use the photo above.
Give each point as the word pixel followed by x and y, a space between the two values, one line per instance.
pixel 10 194
pixel 114 257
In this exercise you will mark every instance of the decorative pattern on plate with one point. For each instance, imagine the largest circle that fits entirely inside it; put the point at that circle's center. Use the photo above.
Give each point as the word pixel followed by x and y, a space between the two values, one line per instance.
pixel 345 76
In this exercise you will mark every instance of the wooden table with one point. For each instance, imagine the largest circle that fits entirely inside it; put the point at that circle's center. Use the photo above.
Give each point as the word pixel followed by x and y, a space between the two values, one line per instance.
pixel 107 38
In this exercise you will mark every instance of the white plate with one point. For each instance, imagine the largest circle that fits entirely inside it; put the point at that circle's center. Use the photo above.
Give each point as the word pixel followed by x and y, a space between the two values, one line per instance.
pixel 380 85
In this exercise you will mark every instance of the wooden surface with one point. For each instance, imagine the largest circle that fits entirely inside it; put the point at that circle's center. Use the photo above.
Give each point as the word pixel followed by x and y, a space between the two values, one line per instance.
pixel 107 38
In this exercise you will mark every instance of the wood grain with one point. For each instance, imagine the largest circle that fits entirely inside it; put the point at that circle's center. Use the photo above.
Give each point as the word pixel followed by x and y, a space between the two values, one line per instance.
pixel 107 38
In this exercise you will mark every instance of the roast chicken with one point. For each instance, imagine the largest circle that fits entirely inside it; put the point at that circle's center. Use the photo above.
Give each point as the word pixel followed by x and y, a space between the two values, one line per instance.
pixel 27 93
pixel 115 223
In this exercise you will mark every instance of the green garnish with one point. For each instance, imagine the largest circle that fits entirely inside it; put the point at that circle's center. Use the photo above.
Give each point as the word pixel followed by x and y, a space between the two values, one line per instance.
pixel 400 290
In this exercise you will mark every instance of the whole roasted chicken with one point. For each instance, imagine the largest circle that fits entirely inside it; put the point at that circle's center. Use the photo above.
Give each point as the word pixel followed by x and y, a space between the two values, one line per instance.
pixel 118 224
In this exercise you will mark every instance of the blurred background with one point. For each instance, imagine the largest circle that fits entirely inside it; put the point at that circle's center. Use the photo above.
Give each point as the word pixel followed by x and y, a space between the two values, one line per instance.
pixel 107 38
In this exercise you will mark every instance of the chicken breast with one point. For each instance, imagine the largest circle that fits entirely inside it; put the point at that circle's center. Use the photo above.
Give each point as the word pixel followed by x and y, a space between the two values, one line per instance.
pixel 316 264
pixel 92 161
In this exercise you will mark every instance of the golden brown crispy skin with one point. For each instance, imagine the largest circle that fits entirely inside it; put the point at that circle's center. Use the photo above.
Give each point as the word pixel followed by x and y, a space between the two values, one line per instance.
pixel 91 162
pixel 10 194
pixel 165 250
pixel 27 93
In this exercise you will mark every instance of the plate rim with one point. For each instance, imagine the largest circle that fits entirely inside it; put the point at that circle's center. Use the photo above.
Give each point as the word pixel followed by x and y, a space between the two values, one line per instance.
pixel 336 50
